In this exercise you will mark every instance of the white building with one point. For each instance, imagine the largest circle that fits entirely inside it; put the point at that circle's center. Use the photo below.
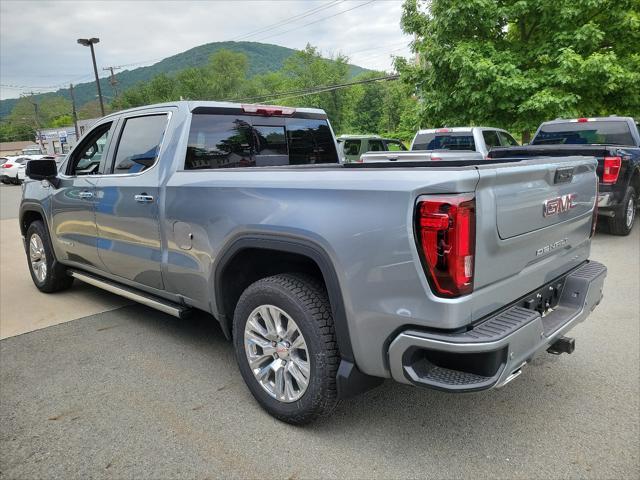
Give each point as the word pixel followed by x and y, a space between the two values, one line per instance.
pixel 62 139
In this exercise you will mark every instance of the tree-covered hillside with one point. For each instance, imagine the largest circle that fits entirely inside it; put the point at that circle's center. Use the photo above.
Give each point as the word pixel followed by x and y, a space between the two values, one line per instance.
pixel 262 58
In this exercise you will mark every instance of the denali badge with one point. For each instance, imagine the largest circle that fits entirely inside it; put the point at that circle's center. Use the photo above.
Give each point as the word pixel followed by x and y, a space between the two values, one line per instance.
pixel 558 205
pixel 551 246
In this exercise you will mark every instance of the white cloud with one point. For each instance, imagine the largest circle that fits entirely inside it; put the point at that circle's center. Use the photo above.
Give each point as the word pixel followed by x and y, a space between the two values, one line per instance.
pixel 38 39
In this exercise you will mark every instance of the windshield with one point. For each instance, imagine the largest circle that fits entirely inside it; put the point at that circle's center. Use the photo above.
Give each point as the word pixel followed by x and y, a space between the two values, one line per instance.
pixel 585 133
pixel 444 141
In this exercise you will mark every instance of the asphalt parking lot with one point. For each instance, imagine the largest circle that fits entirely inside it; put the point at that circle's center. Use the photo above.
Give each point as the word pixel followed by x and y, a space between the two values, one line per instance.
pixel 129 392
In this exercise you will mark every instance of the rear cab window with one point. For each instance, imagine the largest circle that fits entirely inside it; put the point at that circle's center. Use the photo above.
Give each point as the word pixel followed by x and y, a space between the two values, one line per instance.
pixel 590 132
pixel 395 146
pixel 444 140
pixel 240 140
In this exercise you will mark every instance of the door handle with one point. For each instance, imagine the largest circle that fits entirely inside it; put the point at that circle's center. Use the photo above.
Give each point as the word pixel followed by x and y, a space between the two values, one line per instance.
pixel 85 195
pixel 144 198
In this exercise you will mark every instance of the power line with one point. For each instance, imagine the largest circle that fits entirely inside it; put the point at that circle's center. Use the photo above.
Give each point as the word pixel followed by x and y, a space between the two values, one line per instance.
pixel 288 20
pixel 311 90
pixel 316 21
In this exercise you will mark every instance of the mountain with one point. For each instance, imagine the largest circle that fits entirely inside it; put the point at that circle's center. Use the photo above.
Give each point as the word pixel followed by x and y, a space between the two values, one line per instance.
pixel 262 57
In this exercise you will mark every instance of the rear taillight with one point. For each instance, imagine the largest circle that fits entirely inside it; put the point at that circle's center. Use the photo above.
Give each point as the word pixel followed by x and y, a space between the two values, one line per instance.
pixel 594 219
pixel 611 169
pixel 446 227
pixel 7 165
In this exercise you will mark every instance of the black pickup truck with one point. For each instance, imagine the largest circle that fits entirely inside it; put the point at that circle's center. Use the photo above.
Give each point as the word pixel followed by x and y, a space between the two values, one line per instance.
pixel 614 141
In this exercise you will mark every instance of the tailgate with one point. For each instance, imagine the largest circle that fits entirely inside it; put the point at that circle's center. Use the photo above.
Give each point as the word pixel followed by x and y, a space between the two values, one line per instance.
pixel 532 197
pixel 419 156
pixel 538 211
pixel 529 151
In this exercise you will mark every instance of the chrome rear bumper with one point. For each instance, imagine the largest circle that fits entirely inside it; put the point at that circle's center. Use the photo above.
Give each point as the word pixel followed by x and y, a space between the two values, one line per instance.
pixel 492 353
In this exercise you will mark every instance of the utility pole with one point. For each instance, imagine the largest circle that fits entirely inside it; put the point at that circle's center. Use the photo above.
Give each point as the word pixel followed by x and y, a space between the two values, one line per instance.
pixel 36 109
pixel 89 42
pixel 113 80
pixel 73 112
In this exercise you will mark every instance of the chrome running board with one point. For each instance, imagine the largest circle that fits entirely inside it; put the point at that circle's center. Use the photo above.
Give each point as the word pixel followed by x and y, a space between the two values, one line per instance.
pixel 162 305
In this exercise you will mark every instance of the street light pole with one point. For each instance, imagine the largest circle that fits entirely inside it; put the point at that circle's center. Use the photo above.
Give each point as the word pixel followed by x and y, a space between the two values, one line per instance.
pixel 88 42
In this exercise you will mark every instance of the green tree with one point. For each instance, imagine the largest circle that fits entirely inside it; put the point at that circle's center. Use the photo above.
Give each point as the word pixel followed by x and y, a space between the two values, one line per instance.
pixel 516 63
pixel 92 110
pixel 227 74
pixel 12 133
pixel 307 69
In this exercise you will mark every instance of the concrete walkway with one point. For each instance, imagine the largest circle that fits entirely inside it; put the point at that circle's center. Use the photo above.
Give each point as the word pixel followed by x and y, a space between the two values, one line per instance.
pixel 22 307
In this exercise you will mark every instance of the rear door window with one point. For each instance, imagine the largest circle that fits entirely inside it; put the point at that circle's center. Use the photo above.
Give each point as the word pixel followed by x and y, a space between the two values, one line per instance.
pixel 507 140
pixel 352 147
pixel 376 146
pixel 232 141
pixel 139 143
pixel 490 138
pixel 444 141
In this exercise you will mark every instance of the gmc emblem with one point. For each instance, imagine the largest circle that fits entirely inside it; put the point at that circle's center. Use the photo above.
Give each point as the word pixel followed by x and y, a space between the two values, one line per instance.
pixel 557 205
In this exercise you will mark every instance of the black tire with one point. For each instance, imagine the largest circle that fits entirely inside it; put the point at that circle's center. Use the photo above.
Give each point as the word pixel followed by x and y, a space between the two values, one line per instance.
pixel 305 300
pixel 620 224
pixel 56 278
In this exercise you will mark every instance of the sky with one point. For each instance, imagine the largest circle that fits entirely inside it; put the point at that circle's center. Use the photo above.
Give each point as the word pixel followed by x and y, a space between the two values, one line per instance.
pixel 38 49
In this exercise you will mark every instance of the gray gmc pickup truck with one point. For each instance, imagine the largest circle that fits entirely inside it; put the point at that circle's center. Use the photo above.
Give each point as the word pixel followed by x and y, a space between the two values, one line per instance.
pixel 328 277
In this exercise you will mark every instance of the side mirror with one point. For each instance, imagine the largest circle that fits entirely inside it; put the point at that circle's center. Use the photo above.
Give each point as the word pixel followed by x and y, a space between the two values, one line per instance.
pixel 43 170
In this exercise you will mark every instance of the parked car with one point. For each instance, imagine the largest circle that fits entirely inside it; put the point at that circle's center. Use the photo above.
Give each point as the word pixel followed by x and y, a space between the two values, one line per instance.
pixel 32 150
pixel 614 141
pixel 9 169
pixel 468 143
pixel 351 147
pixel 327 276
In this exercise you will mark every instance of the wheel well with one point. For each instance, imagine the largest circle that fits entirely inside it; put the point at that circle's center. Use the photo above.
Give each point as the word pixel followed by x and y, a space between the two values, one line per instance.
pixel 28 218
pixel 250 265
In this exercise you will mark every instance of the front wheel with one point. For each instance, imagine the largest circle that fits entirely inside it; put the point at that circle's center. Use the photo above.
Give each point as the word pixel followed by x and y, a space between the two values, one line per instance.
pixel 47 274
pixel 625 215
pixel 286 348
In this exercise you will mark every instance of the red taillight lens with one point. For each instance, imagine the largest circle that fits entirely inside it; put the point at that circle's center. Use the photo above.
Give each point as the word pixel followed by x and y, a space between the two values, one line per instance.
pixel 611 169
pixel 7 165
pixel 268 110
pixel 446 234
pixel 583 120
pixel 594 219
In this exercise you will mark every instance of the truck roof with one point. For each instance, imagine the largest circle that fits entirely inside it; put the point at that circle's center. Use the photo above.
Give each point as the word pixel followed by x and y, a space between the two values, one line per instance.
pixel 193 104
pixel 454 129
pixel 348 136
pixel 614 118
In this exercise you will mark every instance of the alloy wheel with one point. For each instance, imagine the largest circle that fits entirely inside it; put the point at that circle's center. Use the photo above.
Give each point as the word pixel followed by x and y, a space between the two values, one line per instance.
pixel 277 353
pixel 38 257
pixel 630 212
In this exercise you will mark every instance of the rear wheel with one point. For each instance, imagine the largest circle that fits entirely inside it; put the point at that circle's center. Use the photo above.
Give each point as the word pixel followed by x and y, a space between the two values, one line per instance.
pixel 47 274
pixel 286 348
pixel 625 214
